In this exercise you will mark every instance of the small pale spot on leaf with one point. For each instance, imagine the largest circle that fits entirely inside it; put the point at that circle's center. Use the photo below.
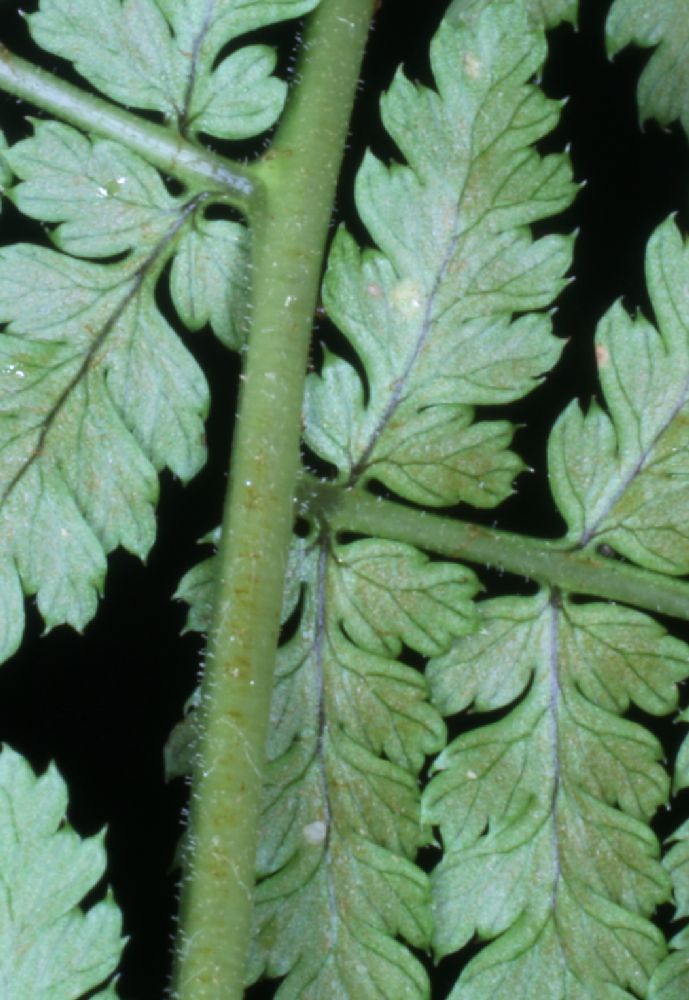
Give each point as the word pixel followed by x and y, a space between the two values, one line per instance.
pixel 472 66
pixel 407 296
pixel 314 833
pixel 602 355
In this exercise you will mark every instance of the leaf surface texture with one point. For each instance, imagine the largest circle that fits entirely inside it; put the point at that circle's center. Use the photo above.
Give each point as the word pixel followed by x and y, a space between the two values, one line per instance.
pixel 430 311
pixel 160 55
pixel 50 948
pixel 98 392
pixel 621 477
pixel 544 814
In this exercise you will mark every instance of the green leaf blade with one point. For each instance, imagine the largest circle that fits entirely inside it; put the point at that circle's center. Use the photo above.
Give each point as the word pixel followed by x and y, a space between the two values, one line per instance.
pixel 51 949
pixel 544 815
pixel 99 394
pixel 334 808
pixel 208 279
pixel 620 479
pixel 5 171
pixel 429 312
pixel 161 56
pixel 425 608
pixel 123 49
pixel 105 199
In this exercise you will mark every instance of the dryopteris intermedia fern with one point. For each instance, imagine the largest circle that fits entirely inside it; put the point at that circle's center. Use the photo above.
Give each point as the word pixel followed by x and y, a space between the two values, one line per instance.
pixel 547 855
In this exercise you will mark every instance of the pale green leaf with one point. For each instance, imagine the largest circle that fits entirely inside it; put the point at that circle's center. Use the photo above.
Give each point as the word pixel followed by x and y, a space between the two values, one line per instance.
pixel 12 603
pixel 622 477
pixel 664 84
pixel 682 760
pixel 352 900
pixel 544 814
pixel 50 948
pixel 182 745
pixel 181 749
pixel 98 392
pixel 124 49
pixel 196 588
pixel 242 98
pixel 206 27
pixel 161 55
pixel 677 863
pixel 67 499
pixel 430 311
pixel 106 201
pixel 207 281
pixel 670 981
pixel 350 728
pixel 389 595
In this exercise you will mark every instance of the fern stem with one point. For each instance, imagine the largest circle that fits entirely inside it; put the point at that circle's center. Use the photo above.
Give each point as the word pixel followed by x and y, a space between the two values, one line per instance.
pixel 298 176
pixel 578 571
pixel 163 147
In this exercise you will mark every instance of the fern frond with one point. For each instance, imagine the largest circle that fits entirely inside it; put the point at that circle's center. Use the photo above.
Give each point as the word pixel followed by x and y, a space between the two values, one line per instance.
pixel 161 56
pixel 544 814
pixel 430 312
pixel 430 315
pixel 336 881
pixel 549 808
pixel 98 392
pixel 50 949
pixel 623 478
pixel 663 91
pixel 350 723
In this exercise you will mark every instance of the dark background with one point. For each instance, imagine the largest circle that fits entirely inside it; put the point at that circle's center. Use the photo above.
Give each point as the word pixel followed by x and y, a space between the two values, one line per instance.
pixel 102 705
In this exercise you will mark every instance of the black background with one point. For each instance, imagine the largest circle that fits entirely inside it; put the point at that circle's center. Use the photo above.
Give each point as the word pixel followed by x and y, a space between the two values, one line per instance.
pixel 102 705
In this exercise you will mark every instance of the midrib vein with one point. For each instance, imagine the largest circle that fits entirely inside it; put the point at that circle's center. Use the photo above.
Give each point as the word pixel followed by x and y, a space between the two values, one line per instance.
pixel 400 383
pixel 458 232
pixel 194 62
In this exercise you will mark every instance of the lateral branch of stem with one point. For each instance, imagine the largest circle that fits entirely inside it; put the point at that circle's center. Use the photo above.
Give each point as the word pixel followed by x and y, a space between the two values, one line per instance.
pixel 550 563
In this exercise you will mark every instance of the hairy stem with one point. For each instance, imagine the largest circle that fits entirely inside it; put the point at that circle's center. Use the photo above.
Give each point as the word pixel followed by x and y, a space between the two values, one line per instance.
pixel 578 571
pixel 162 147
pixel 298 176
